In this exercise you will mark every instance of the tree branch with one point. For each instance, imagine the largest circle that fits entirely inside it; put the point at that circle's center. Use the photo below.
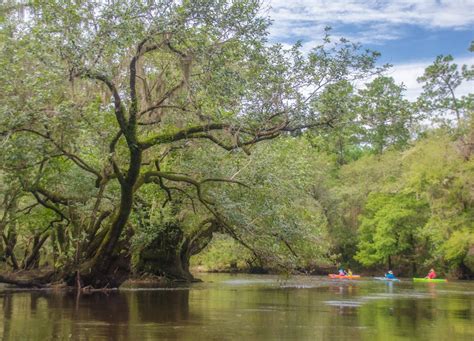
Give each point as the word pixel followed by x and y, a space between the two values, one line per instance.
pixel 74 158
pixel 56 198
pixel 142 49
pixel 159 103
pixel 119 108
pixel 225 180
pixel 51 207
pixel 181 134
pixel 238 144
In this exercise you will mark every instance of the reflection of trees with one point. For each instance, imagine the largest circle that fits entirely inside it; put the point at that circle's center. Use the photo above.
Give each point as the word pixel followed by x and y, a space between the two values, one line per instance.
pixel 235 313
pixel 58 315
pixel 409 317
pixel 163 305
pixel 7 308
pixel 111 308
pixel 18 309
pixel 342 320
pixel 50 315
pixel 345 289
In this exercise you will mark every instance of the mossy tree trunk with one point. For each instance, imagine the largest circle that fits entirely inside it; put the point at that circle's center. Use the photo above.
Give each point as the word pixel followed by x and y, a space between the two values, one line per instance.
pixel 170 252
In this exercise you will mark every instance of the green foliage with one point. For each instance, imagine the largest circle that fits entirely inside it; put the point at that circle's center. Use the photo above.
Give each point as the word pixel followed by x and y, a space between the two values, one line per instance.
pixel 437 170
pixel 276 216
pixel 386 116
pixel 440 81
pixel 179 148
pixel 337 105
pixel 457 246
pixel 419 204
pixel 222 254
pixel 389 227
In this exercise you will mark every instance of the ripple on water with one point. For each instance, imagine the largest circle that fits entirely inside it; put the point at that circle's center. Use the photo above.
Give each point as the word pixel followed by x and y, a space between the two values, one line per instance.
pixel 380 296
pixel 365 299
pixel 297 286
pixel 156 289
pixel 248 281
pixel 350 304
pixel 457 292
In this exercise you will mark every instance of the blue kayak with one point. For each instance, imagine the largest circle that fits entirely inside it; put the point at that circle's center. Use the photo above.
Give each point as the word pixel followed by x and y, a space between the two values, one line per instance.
pixel 387 279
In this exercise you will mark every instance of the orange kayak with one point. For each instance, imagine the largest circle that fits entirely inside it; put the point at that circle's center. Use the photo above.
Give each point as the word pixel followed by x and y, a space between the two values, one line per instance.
pixel 334 276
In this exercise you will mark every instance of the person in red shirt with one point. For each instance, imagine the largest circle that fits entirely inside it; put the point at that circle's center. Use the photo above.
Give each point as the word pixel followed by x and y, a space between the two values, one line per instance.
pixel 431 274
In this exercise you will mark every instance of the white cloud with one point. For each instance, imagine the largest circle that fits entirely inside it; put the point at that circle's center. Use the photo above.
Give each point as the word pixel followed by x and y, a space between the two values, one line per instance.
pixel 374 22
pixel 380 20
pixel 408 73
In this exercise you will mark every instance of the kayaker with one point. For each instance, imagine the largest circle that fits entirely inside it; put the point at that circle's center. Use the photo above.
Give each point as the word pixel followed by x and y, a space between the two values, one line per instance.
pixel 342 272
pixel 431 274
pixel 390 275
pixel 349 272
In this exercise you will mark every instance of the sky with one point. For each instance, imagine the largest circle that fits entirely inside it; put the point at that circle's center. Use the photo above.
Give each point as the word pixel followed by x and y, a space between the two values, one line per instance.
pixel 408 33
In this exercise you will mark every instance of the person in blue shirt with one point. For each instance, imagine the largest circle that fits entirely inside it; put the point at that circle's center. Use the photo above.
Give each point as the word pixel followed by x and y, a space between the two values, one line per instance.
pixel 342 272
pixel 390 275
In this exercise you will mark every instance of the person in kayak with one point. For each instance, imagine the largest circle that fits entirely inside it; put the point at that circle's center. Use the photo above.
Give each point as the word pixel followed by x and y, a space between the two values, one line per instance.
pixel 431 274
pixel 342 272
pixel 349 272
pixel 390 275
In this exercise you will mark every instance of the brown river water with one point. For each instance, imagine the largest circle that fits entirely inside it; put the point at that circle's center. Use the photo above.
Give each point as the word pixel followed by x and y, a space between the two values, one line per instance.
pixel 246 307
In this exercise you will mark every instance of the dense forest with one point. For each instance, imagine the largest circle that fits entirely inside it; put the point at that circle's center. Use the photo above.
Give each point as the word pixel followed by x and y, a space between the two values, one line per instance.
pixel 144 137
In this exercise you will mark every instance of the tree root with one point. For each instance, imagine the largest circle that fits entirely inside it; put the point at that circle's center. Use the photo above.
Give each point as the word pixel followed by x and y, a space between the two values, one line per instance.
pixel 37 282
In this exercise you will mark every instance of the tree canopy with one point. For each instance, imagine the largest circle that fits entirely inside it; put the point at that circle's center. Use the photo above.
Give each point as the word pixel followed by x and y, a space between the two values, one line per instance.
pixel 133 132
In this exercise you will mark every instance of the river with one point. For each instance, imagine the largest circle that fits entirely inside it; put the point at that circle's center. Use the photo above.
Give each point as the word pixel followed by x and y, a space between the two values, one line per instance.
pixel 246 307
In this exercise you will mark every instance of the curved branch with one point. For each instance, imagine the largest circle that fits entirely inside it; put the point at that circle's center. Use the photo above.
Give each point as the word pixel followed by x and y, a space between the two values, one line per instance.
pixel 329 122
pixel 162 184
pixel 239 144
pixel 115 167
pixel 74 158
pixel 181 134
pixel 148 177
pixel 186 194
pixel 56 198
pixel 226 227
pixel 175 50
pixel 159 103
pixel 142 49
pixel 114 141
pixel 225 180
pixel 94 228
pixel 51 207
pixel 28 262
pixel 119 108
pixel 117 170
pixel 197 241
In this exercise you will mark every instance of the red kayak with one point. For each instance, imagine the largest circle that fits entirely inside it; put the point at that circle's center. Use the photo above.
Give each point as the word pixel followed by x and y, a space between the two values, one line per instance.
pixel 334 276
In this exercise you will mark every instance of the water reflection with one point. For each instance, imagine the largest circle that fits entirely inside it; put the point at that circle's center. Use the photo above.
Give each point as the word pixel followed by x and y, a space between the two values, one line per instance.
pixel 162 306
pixel 246 307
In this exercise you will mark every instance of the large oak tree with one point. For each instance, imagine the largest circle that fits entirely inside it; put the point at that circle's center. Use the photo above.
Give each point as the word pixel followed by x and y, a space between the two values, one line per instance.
pixel 97 94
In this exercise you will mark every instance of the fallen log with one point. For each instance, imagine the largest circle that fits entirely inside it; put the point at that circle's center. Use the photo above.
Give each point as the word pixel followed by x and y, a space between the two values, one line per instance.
pixel 36 282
